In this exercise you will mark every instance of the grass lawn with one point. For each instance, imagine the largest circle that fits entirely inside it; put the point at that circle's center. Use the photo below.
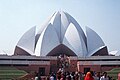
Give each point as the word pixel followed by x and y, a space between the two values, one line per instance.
pixel 8 73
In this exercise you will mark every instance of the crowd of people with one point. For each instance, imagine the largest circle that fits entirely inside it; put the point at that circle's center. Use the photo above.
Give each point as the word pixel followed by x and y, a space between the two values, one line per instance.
pixel 61 75
pixel 63 62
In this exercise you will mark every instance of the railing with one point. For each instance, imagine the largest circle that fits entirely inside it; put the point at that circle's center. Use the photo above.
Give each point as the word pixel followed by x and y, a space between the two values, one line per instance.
pixel 25 62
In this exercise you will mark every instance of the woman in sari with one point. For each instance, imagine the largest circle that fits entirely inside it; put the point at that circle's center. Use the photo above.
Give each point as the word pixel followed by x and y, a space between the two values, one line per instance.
pixel 88 76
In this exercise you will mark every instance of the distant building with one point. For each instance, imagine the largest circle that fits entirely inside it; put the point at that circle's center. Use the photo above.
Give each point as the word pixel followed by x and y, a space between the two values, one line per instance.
pixel 60 35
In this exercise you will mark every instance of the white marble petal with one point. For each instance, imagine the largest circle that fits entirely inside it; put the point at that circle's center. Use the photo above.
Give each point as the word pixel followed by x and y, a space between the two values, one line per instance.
pixel 73 41
pixel 94 42
pixel 49 41
pixel 27 41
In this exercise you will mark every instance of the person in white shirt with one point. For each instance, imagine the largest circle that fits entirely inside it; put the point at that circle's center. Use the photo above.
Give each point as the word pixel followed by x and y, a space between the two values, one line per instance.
pixel 104 77
pixel 51 77
pixel 36 78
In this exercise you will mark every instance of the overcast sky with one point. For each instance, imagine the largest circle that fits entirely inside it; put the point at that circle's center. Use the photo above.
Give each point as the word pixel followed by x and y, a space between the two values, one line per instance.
pixel 18 16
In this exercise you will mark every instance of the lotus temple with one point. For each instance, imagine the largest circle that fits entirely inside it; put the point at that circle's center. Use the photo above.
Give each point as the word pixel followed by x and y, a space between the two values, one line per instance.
pixel 61 36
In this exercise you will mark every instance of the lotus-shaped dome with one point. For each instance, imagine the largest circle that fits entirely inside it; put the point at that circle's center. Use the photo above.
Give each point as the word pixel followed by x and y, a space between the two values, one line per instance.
pixel 61 34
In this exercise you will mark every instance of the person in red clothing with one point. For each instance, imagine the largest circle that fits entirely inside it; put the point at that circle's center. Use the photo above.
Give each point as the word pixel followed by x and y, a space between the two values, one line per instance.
pixel 88 76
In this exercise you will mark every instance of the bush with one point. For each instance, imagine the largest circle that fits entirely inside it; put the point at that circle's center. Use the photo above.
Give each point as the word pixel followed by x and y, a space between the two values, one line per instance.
pixel 114 73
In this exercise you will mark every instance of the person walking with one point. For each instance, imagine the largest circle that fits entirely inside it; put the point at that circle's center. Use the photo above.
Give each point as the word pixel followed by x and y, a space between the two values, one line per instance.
pixel 88 76
pixel 104 77
pixel 52 77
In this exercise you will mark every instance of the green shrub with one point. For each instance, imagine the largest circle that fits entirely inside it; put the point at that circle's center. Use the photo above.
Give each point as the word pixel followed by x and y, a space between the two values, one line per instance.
pixel 114 73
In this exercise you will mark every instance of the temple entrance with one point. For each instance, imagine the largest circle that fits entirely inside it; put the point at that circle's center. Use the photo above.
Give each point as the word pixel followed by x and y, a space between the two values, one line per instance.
pixel 87 69
pixel 41 71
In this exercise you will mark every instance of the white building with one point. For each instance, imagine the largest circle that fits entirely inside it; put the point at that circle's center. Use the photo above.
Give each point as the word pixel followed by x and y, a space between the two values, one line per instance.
pixel 61 34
